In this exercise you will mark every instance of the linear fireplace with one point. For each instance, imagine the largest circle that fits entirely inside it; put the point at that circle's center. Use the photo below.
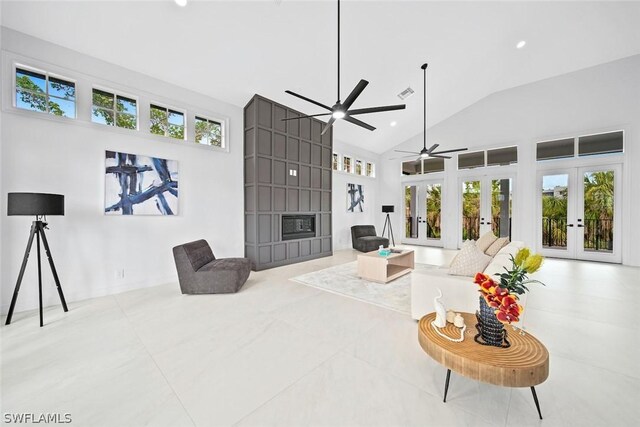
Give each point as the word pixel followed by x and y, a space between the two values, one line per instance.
pixel 298 226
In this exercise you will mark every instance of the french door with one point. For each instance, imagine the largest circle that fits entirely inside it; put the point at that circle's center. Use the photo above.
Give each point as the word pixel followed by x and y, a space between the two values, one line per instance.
pixel 579 213
pixel 486 204
pixel 423 213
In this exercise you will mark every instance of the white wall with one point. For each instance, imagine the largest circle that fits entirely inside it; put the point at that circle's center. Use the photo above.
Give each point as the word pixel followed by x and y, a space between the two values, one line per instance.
pixel 46 154
pixel 343 220
pixel 597 99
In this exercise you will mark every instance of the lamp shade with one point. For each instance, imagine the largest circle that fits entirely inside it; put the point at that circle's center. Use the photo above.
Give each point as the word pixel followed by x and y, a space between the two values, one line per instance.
pixel 387 208
pixel 35 204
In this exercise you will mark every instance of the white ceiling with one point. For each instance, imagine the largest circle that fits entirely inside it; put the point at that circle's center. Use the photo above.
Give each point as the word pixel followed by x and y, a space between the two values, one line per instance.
pixel 231 50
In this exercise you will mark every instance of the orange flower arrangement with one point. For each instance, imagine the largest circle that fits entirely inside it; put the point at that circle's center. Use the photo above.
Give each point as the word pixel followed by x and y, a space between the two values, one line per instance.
pixel 506 304
pixel 503 296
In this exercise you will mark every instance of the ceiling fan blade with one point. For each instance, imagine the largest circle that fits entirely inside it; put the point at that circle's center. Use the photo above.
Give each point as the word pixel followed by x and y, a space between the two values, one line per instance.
pixel 401 157
pixel 308 100
pixel 450 151
pixel 358 122
pixel 410 152
pixel 354 94
pixel 376 109
pixel 305 117
pixel 433 147
pixel 439 156
pixel 328 125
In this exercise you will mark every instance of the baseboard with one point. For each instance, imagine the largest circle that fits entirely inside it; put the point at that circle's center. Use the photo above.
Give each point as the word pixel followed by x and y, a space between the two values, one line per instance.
pixel 85 294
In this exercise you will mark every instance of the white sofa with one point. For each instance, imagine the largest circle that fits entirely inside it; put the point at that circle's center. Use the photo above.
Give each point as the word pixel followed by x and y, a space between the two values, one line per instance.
pixel 459 292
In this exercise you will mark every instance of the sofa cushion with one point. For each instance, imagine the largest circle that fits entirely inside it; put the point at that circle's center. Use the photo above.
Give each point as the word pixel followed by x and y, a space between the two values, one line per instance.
pixel 227 264
pixel 469 261
pixel 512 248
pixel 485 241
pixel 358 231
pixel 503 259
pixel 496 246
pixel 199 253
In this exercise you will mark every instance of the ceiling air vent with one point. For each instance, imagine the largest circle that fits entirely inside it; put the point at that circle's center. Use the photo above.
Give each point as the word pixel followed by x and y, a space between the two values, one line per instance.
pixel 406 93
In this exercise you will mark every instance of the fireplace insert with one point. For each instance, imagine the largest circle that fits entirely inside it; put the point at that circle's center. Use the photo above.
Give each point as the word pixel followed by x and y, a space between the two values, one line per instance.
pixel 298 226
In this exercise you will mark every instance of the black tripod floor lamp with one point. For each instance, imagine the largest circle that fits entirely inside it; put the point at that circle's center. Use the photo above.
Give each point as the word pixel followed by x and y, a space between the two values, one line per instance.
pixel 387 223
pixel 39 205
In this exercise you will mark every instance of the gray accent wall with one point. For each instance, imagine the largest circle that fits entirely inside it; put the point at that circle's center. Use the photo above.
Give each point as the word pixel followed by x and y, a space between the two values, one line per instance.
pixel 287 170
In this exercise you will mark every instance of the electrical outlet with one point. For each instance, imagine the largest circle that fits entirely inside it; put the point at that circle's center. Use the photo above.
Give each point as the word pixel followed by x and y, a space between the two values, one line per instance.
pixel 119 273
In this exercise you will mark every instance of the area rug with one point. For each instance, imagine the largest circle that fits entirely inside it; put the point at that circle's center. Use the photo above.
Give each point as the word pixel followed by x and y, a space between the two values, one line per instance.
pixel 343 280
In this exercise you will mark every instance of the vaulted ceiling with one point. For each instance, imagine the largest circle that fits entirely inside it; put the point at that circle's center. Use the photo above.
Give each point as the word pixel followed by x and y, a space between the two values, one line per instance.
pixel 231 50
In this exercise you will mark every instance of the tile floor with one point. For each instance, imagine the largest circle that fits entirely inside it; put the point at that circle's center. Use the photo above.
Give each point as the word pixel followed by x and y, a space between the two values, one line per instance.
pixel 281 353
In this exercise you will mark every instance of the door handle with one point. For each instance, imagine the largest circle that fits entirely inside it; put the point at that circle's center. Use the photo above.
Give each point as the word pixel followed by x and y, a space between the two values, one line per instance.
pixel 569 225
pixel 488 223
pixel 580 225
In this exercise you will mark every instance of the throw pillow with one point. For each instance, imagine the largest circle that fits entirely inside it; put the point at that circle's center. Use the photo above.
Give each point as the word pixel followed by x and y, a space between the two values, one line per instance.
pixel 496 246
pixel 469 261
pixel 485 241
pixel 503 258
pixel 465 243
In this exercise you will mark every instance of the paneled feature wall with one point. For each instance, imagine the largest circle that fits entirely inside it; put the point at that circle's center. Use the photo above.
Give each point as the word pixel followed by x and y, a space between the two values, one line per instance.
pixel 287 170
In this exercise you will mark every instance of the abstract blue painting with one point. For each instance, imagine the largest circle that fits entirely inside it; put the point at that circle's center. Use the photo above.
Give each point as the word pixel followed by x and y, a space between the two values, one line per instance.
pixel 140 185
pixel 355 198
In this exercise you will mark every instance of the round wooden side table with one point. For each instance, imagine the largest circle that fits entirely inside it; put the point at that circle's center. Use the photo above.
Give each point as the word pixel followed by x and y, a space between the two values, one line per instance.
pixel 524 364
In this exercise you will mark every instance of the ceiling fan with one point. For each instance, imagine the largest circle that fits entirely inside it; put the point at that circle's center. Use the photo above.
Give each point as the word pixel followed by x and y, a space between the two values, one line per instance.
pixel 340 110
pixel 431 151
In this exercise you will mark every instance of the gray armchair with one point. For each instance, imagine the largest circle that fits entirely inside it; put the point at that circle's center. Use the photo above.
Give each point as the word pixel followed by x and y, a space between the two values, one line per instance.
pixel 199 272
pixel 364 239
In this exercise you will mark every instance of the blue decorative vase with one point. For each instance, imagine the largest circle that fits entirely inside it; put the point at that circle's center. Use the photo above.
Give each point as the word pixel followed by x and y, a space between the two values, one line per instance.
pixel 490 330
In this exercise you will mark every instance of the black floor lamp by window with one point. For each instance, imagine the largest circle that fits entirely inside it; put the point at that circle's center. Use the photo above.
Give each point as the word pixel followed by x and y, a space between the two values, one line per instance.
pixel 39 205
pixel 387 223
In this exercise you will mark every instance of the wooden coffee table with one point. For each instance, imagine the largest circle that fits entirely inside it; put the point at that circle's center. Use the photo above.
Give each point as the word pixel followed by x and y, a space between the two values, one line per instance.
pixel 524 364
pixel 383 269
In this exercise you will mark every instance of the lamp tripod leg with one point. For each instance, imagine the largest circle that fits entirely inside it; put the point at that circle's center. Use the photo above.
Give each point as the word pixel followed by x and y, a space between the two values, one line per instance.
pixel 39 277
pixel 384 229
pixel 53 268
pixel 21 274
pixel 390 231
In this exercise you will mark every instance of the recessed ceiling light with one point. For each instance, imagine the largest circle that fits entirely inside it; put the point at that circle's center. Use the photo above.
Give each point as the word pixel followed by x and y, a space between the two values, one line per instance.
pixel 181 3
pixel 521 44
pixel 392 124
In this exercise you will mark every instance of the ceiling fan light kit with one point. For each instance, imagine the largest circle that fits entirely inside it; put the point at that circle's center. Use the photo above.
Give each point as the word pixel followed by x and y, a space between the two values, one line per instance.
pixel 341 111
pixel 428 152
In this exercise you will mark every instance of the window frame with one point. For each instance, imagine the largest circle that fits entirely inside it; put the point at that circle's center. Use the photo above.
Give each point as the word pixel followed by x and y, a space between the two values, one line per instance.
pixel 357 163
pixel 552 159
pixel 370 172
pixel 469 153
pixel 350 169
pixel 610 153
pixel 338 162
pixel 223 131
pixel 116 94
pixel 15 66
pixel 488 150
pixel 169 109
pixel 576 147
pixel 84 82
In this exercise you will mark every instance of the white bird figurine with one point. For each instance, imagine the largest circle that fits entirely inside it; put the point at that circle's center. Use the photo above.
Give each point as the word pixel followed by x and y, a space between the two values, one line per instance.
pixel 441 312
